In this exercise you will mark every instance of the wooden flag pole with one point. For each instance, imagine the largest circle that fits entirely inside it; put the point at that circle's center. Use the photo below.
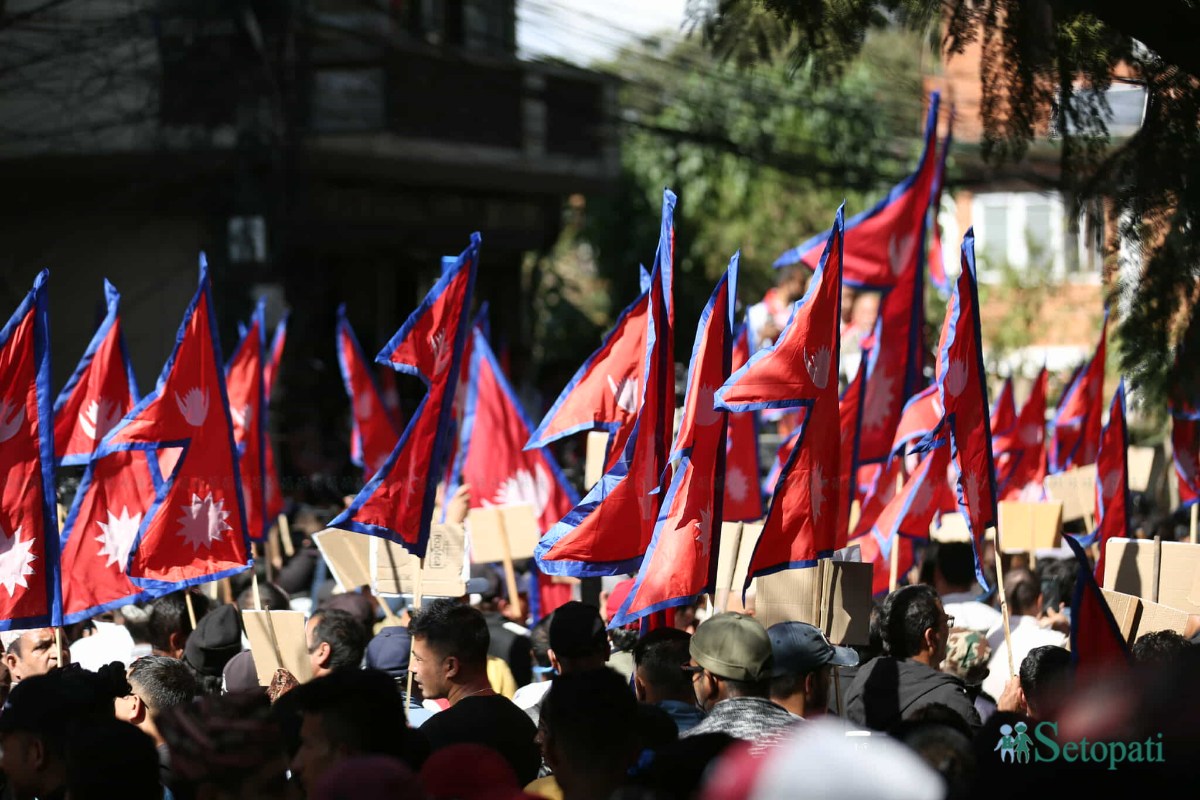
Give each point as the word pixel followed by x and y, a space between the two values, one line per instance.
pixel 894 564
pixel 510 574
pixel 1195 510
pixel 187 596
pixel 254 580
pixel 58 645
pixel 285 536
pixel 1003 601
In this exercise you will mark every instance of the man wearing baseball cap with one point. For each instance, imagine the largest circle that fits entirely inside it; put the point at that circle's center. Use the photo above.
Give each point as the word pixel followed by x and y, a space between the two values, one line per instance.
pixel 804 661
pixel 731 667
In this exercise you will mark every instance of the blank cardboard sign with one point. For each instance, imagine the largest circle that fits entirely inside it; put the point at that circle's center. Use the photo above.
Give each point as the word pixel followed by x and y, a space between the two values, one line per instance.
pixel 348 555
pixel 953 528
pixel 1075 489
pixel 1136 617
pixel 845 593
pixel 487 525
pixel 277 640
pixel 593 465
pixel 1129 567
pixel 394 569
pixel 1029 527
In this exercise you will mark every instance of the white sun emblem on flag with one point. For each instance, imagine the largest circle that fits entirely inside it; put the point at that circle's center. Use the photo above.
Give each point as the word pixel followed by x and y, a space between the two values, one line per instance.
pixel 443 351
pixel 118 536
pixel 16 560
pixel 523 487
pixel 1110 484
pixel 704 531
pixel 203 521
pixel 900 251
pixel 736 484
pixel 817 365
pixel 705 413
pixel 624 393
pixel 193 406
pixel 12 414
pixel 99 418
pixel 956 377
pixel 879 399
pixel 816 488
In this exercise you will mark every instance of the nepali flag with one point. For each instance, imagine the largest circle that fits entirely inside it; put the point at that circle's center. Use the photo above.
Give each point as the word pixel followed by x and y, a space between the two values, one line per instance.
pixel 1112 479
pixel 1185 447
pixel 1096 641
pixel 372 435
pixel 1075 431
pixel 1004 414
pixel 29 574
pixel 849 424
pixel 937 265
pixel 743 497
pixel 604 393
pixel 195 530
pixel 879 492
pixel 273 488
pixel 963 391
pixel 397 504
pixel 1023 467
pixel 875 550
pixel 680 564
pixel 114 496
pixel 800 371
pixel 922 414
pixel 246 384
pixel 100 391
pixel 886 242
pixel 491 440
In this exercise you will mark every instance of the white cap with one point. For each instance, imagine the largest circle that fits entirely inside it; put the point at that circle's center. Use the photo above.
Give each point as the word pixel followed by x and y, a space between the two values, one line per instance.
pixel 8 637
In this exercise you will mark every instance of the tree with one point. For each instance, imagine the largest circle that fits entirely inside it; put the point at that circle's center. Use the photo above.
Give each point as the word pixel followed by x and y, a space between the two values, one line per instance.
pixel 1050 61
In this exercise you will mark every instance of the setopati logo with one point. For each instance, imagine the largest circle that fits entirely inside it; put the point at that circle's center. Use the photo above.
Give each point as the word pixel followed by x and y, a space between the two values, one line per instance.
pixel 1016 746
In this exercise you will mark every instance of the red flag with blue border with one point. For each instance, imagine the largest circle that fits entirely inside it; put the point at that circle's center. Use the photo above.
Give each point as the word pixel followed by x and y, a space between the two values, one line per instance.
pixel 372 435
pixel 1097 646
pixel 273 488
pixel 1021 451
pixel 245 382
pixel 1112 479
pixel 1075 430
pixel 743 495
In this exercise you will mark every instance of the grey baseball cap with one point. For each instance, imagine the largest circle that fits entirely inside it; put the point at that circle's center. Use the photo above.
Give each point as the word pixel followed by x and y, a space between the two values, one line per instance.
pixel 799 648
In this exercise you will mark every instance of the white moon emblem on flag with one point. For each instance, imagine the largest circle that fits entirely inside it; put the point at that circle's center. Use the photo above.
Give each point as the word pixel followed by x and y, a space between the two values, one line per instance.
pixel 817 365
pixel 12 414
pixel 956 377
pixel 523 487
pixel 193 406
pixel 100 416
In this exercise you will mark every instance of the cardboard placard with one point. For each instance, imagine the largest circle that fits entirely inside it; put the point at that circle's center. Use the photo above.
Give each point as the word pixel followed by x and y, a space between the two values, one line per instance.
pixel 953 529
pixel 1137 617
pixel 487 525
pixel 394 569
pixel 593 466
pixel 348 555
pixel 1029 527
pixel 1129 567
pixel 277 640
pixel 731 536
pixel 1141 463
pixel 1076 490
pixel 845 593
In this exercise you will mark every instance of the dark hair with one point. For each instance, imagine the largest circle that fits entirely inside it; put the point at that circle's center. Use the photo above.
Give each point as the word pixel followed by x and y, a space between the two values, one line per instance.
pixel 343 633
pixel 273 598
pixel 1022 589
pixel 1160 647
pixel 590 715
pixel 956 562
pixel 678 769
pixel 163 682
pixel 941 742
pixel 109 758
pixel 655 728
pixel 169 615
pixel 907 613
pixel 1046 675
pixel 452 629
pixel 1057 579
pixel 660 656
pixel 360 710
pixel 539 640
pixel 747 688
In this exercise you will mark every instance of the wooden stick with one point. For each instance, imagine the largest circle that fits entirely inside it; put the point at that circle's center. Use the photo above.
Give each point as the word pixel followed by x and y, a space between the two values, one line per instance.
pixel 285 536
pixel 187 595
pixel 510 574
pixel 894 564
pixel 1003 602
pixel 58 645
pixel 227 590
pixel 1194 527
pixel 257 596
pixel 1157 564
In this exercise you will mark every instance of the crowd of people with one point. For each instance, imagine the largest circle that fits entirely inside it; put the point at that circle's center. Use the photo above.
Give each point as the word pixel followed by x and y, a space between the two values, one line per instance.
pixel 141 703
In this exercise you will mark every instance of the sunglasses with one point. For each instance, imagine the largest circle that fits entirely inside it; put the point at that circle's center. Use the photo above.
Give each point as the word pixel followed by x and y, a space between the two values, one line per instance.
pixel 691 670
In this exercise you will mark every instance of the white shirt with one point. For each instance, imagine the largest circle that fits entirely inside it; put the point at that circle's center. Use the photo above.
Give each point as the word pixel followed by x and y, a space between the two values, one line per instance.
pixel 529 699
pixel 110 642
pixel 1026 635
pixel 969 612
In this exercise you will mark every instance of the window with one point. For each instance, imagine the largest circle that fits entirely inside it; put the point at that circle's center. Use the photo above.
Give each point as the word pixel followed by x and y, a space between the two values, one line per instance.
pixel 1029 232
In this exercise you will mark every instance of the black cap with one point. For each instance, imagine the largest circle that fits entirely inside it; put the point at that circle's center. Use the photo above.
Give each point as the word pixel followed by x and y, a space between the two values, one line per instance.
pixel 241 674
pixel 799 648
pixel 48 704
pixel 390 651
pixel 217 638
pixel 577 630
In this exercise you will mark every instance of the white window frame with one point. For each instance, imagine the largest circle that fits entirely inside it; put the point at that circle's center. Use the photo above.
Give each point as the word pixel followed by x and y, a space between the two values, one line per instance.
pixel 1017 205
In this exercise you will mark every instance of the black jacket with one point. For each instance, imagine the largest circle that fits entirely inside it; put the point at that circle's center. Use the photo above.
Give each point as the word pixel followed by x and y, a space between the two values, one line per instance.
pixel 887 691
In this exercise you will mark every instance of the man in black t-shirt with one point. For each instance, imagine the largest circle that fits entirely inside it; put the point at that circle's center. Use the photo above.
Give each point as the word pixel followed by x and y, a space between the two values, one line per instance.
pixel 449 660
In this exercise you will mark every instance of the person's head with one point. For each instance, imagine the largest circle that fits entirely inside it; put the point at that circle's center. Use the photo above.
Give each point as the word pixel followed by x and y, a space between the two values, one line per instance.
pixel 136 619
pixel 107 758
pixel 585 724
pixel 967 655
pixel 157 683
pixel 915 626
pixel 226 747
pixel 939 739
pixel 578 640
pixel 360 606
pixel 659 658
pixel 1046 677
pixel 390 650
pixel 1160 647
pixel 954 567
pixel 804 660
pixel 335 639
pixel 346 713
pixel 792 281
pixel 730 657
pixel 38 715
pixel 169 624
pixel 273 598
pixel 217 638
pixel 1057 579
pixel 29 653
pixel 449 647
pixel 1024 592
